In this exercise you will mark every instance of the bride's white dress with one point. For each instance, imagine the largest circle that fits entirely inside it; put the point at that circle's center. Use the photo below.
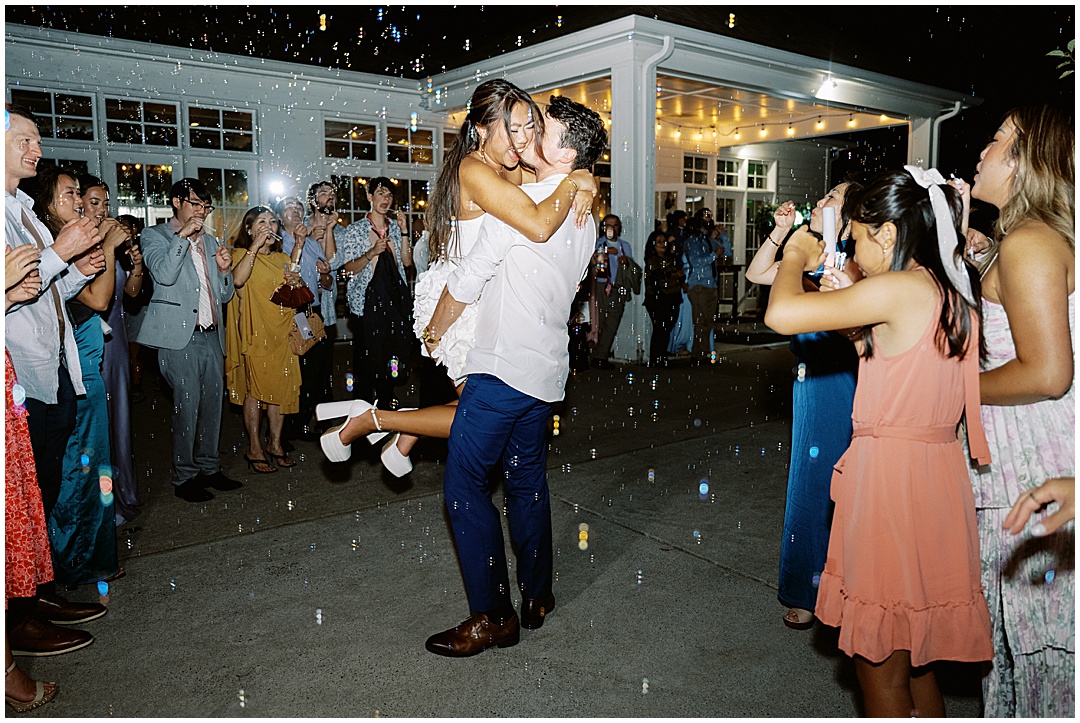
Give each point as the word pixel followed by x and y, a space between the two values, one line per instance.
pixel 461 336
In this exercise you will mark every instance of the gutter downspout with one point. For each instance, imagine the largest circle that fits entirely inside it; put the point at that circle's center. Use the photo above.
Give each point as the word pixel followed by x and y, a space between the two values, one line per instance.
pixel 935 131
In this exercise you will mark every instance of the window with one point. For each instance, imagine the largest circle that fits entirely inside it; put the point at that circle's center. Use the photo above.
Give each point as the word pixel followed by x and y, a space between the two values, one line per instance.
pixel 757 174
pixel 404 145
pixel 725 212
pixel 59 115
pixel 133 121
pixel 352 201
pixel 727 173
pixel 229 195
pixel 354 141
pixel 141 188
pixel 448 138
pixel 696 170
pixel 221 130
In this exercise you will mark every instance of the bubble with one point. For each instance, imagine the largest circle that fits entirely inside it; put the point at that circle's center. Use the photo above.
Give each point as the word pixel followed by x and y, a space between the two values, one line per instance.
pixel 697 422
pixel 814 452
pixel 172 584
pixel 640 577
pixel 652 475
pixel 644 686
pixel 318 616
pixel 592 453
pixel 18 395
pixel 102 587
pixel 1049 576
pixel 703 487
pixel 583 545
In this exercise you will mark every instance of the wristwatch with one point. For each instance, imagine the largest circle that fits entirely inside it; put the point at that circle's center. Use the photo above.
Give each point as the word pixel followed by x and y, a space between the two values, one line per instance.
pixel 428 337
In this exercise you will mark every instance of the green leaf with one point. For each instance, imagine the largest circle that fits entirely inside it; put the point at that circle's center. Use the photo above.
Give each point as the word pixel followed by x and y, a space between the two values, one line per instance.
pixel 1065 74
pixel 1072 44
pixel 1056 54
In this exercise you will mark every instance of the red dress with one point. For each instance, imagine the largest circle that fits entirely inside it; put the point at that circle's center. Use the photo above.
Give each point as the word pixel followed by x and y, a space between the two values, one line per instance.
pixel 28 562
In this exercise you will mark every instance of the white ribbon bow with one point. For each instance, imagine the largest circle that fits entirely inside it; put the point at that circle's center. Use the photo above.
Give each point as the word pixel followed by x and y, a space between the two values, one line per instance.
pixel 955 267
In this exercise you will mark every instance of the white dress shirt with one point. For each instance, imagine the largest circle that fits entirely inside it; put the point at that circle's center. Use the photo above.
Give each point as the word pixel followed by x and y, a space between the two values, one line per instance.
pixel 32 331
pixel 528 289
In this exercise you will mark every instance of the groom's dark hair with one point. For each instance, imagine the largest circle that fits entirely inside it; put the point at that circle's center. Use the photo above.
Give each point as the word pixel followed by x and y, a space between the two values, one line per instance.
pixel 584 130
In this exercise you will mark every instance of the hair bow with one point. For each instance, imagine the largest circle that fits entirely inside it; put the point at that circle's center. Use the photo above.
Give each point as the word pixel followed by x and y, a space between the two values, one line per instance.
pixel 953 262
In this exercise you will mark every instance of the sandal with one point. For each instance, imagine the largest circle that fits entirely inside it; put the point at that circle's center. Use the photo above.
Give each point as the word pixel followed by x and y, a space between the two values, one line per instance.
pixel 252 462
pixel 281 459
pixel 40 698
pixel 799 619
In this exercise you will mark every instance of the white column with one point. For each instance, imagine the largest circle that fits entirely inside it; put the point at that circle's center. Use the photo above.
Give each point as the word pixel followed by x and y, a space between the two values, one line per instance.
pixel 633 172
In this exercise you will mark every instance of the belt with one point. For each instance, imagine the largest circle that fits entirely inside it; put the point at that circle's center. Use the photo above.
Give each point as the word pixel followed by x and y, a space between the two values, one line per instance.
pixel 207 329
pixel 929 435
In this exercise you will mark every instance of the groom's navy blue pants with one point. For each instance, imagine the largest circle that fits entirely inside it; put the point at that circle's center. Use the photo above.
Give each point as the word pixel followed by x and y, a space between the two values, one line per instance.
pixel 497 424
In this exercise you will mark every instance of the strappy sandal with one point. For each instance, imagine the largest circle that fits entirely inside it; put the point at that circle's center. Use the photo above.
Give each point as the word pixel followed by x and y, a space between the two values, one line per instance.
pixel 41 697
pixel 332 446
pixel 252 462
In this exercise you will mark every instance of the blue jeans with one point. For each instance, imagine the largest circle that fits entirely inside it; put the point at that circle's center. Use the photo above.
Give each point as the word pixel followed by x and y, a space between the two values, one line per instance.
pixel 496 422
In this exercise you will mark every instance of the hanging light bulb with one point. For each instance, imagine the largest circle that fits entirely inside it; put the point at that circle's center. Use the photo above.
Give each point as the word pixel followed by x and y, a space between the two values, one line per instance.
pixel 737 136
pixel 790 130
pixel 762 132
pixel 820 123
pixel 851 121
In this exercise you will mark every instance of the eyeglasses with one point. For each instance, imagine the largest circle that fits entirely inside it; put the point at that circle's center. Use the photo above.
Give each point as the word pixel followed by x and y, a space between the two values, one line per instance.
pixel 199 205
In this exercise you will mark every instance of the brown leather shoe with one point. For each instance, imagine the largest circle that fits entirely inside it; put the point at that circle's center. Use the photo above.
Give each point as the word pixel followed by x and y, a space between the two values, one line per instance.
pixel 474 636
pixel 38 639
pixel 534 610
pixel 59 611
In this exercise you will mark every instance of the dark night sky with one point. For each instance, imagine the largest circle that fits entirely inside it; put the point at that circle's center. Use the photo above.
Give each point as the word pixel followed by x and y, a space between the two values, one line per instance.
pixel 996 53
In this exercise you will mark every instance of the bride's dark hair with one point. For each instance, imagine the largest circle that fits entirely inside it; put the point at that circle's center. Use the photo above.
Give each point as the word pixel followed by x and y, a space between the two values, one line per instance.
pixel 491 103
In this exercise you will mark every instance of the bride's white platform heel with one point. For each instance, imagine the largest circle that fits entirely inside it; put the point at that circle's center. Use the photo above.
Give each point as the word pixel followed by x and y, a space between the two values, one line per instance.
pixel 395 462
pixel 330 442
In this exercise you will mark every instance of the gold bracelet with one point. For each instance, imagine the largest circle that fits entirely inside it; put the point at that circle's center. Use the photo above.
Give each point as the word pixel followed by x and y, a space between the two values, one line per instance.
pixel 133 276
pixel 573 183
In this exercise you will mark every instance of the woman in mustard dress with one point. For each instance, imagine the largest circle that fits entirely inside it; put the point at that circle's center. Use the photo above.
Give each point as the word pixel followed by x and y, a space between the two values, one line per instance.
pixel 260 369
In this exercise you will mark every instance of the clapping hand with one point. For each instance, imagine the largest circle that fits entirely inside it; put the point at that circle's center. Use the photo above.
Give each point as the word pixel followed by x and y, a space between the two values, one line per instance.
pixel 18 263
pixel 92 262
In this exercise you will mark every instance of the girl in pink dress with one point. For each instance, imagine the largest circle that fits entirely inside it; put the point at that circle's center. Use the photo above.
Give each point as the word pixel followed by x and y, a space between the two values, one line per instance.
pixel 901 577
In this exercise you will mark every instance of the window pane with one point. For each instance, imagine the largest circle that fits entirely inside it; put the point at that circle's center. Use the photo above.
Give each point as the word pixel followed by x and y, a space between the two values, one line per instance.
pixel 74 105
pixel 211 178
pixel 687 176
pixel 34 101
pixel 448 139
pixel 337 150
pixel 129 185
pixel 336 129
pixel 397 136
pixel 205 139
pixel 160 113
pixel 363 151
pixel 117 109
pixel 236 188
pixel 238 142
pixel 204 118
pixel 124 133
pixel 422 138
pixel 160 136
pixel 397 154
pixel 360 202
pixel 343 186
pixel 45 125
pixel 76 128
pixel 421 155
pixel 236 120
pixel 159 181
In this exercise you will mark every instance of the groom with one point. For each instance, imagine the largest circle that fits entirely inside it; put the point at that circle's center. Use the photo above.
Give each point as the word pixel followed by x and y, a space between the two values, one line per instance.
pixel 517 370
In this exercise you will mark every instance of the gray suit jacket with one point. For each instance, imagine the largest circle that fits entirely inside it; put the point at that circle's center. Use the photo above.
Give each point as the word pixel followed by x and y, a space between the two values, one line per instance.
pixel 169 320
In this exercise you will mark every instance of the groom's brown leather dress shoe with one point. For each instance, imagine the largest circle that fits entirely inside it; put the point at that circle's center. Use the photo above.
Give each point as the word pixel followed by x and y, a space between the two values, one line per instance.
pixel 475 635
pixel 534 610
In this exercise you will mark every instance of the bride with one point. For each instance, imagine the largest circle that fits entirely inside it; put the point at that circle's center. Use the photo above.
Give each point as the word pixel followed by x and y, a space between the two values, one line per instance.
pixel 480 174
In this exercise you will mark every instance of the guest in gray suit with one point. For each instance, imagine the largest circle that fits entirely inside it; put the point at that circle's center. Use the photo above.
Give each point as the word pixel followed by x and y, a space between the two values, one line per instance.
pixel 183 321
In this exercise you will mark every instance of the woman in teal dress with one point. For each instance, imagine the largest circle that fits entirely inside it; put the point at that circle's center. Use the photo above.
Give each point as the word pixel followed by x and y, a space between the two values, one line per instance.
pixel 82 526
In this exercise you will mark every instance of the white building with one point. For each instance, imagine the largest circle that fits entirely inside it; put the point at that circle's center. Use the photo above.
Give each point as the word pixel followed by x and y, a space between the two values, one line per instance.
pixel 695 119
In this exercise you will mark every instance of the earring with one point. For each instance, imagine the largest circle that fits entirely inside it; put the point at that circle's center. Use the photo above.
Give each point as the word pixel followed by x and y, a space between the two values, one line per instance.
pixel 483 144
